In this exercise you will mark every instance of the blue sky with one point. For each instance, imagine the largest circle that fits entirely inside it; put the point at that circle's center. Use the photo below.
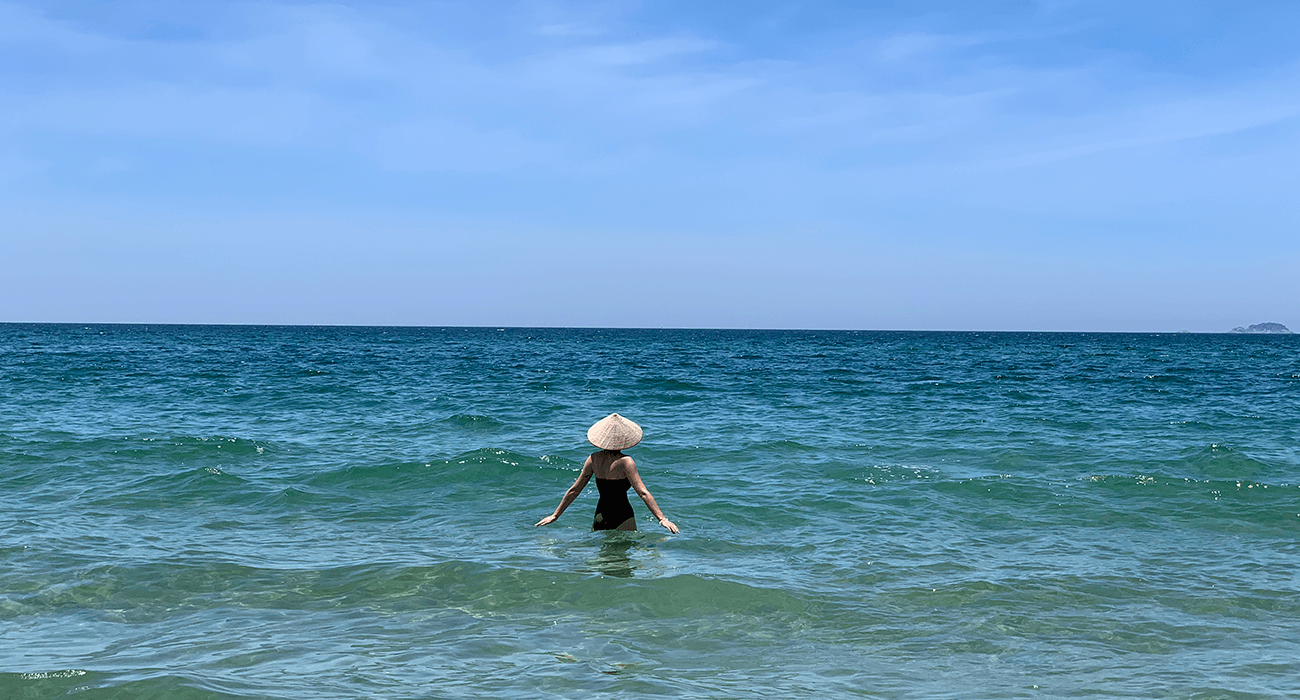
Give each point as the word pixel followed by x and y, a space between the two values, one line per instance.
pixel 944 165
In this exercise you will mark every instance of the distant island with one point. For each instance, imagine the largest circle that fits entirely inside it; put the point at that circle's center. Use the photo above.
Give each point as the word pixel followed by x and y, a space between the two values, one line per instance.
pixel 1262 328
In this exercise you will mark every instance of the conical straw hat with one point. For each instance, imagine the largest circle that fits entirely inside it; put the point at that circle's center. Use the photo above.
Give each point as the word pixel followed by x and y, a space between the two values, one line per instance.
pixel 614 432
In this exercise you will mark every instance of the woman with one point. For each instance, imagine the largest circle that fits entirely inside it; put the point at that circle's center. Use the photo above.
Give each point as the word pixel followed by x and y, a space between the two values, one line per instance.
pixel 615 472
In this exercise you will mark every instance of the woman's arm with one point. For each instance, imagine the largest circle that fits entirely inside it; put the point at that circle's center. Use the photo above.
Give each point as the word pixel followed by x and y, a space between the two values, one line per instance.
pixel 569 495
pixel 644 493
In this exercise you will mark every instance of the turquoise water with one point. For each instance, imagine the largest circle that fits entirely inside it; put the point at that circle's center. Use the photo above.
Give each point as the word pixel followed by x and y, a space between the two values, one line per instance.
pixel 266 512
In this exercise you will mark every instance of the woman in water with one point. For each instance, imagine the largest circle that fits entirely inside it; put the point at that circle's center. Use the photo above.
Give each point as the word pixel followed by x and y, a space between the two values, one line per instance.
pixel 615 472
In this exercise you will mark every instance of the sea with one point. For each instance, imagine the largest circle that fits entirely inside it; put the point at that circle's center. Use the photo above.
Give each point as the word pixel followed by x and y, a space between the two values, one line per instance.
pixel 230 512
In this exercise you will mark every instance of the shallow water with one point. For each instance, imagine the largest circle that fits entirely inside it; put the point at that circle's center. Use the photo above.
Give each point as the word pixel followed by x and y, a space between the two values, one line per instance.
pixel 268 512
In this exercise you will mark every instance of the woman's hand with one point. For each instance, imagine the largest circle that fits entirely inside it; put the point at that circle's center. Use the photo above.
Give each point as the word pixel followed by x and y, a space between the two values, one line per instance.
pixel 547 520
pixel 669 525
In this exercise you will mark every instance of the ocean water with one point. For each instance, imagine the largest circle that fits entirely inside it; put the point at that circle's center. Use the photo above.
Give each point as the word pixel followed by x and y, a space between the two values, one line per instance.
pixel 283 512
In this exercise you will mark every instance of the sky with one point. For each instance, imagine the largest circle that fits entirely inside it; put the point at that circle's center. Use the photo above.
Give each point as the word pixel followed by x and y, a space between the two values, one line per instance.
pixel 1048 165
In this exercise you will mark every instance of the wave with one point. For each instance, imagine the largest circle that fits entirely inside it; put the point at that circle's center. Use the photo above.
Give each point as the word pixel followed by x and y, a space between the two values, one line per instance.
pixel 1219 460
pixel 107 451
pixel 177 489
pixel 481 465
pixel 291 499
pixel 670 384
pixel 780 448
pixel 884 473
pixel 96 685
pixel 1155 501
pixel 157 591
pixel 475 422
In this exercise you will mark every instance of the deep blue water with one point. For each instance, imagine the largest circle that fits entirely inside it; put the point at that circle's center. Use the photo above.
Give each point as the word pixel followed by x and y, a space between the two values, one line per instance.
pixel 285 512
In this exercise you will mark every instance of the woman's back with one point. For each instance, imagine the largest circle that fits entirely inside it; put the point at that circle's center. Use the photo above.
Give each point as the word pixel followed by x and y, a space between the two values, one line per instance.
pixel 609 465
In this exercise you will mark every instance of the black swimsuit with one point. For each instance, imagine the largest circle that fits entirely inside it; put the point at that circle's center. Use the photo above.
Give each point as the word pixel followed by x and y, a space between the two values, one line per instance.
pixel 613 509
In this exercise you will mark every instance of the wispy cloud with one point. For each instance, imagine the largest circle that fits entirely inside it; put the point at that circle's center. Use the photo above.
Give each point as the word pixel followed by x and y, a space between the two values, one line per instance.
pixel 906 110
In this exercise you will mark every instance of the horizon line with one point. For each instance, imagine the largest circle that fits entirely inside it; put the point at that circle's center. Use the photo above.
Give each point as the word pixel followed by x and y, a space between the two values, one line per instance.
pixel 621 328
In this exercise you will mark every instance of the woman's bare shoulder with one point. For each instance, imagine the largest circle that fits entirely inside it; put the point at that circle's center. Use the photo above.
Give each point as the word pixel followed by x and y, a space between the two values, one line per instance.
pixel 624 466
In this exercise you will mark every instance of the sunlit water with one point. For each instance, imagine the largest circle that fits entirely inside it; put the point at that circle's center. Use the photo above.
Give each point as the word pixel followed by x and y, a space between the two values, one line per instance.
pixel 257 512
